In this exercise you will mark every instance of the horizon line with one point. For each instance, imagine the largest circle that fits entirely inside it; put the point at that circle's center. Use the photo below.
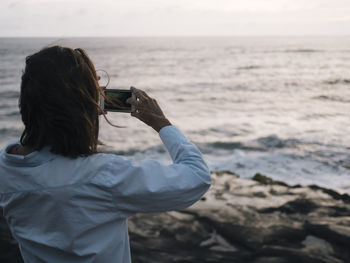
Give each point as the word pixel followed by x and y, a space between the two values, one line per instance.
pixel 175 36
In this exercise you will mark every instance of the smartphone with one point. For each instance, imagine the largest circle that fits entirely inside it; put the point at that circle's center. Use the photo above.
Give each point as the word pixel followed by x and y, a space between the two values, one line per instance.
pixel 116 100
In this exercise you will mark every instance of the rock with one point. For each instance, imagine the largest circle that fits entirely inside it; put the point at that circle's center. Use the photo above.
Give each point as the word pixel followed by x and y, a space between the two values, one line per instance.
pixel 344 197
pixel 302 206
pixel 240 220
pixel 259 221
pixel 266 180
pixel 330 231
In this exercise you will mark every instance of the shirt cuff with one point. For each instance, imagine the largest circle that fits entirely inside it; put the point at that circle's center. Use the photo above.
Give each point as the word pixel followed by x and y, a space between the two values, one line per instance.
pixel 170 135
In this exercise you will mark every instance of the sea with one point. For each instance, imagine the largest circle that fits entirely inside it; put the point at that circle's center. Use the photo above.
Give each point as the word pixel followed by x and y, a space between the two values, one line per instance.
pixel 279 106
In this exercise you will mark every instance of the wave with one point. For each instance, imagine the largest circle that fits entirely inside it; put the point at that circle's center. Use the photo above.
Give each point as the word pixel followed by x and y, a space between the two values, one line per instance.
pixel 332 98
pixel 328 154
pixel 338 81
pixel 6 106
pixel 3 51
pixel 302 50
pixel 291 168
pixel 12 114
pixel 272 141
pixel 10 94
pixel 345 163
pixel 218 131
pixel 230 146
pixel 249 67
pixel 13 132
pixel 259 145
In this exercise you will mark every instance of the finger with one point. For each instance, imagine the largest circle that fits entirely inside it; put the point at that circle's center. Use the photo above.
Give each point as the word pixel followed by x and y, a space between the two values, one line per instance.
pixel 133 101
pixel 135 114
pixel 144 94
pixel 140 93
pixel 144 111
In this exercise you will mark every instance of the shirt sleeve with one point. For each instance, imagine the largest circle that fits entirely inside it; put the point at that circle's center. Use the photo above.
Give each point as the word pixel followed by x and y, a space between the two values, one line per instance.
pixel 153 187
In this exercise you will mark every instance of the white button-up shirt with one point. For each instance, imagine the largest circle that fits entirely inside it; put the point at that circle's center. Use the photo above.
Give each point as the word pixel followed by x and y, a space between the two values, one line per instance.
pixel 74 210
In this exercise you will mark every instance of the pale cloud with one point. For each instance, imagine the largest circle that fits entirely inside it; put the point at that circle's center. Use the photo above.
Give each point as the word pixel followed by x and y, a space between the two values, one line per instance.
pixel 14 4
pixel 176 17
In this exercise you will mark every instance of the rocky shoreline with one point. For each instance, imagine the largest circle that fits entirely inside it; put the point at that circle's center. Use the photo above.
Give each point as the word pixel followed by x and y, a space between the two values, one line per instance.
pixel 240 220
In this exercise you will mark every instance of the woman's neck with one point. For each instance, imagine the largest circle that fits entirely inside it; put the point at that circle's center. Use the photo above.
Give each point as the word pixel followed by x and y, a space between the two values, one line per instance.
pixel 20 150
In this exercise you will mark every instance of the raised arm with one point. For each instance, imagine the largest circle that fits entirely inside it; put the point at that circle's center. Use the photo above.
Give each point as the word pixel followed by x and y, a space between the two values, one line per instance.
pixel 151 186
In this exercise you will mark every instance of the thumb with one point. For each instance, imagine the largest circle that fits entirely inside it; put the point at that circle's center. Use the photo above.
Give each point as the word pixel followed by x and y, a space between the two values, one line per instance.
pixel 135 114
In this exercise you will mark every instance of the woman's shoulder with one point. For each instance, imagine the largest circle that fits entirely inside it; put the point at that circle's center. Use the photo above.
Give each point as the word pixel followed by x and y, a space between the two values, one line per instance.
pixel 103 162
pixel 104 157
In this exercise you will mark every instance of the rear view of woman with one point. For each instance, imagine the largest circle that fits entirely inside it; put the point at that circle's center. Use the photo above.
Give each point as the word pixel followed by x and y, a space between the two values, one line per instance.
pixel 64 201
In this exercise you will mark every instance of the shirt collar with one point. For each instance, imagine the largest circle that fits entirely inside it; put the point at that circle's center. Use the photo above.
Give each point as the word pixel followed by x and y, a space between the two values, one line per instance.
pixel 33 159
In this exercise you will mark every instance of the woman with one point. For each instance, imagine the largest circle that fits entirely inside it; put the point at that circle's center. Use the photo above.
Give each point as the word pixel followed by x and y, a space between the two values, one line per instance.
pixel 64 201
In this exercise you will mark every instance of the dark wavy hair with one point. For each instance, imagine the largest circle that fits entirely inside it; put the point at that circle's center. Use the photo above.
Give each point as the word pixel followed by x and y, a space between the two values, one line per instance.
pixel 59 102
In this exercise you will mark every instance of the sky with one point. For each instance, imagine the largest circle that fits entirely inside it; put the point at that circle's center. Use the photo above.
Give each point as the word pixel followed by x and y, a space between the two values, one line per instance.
pixel 70 18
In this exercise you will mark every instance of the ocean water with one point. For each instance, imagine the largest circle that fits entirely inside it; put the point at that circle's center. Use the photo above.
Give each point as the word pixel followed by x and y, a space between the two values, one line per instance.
pixel 275 105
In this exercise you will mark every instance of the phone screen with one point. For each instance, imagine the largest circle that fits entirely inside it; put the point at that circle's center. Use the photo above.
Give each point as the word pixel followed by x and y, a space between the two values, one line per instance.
pixel 116 100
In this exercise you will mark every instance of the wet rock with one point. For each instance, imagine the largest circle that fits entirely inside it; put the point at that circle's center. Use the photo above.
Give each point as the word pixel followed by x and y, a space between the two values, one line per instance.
pixel 344 197
pixel 266 180
pixel 259 221
pixel 303 206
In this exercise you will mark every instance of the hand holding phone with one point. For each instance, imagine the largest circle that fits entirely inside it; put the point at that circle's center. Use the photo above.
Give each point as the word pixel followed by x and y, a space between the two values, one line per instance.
pixel 147 110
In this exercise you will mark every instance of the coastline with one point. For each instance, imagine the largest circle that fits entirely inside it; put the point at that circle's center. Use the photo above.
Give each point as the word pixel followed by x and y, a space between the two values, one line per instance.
pixel 239 220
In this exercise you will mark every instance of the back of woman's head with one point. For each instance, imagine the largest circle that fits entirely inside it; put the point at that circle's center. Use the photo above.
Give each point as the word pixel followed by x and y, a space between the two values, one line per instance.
pixel 59 102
